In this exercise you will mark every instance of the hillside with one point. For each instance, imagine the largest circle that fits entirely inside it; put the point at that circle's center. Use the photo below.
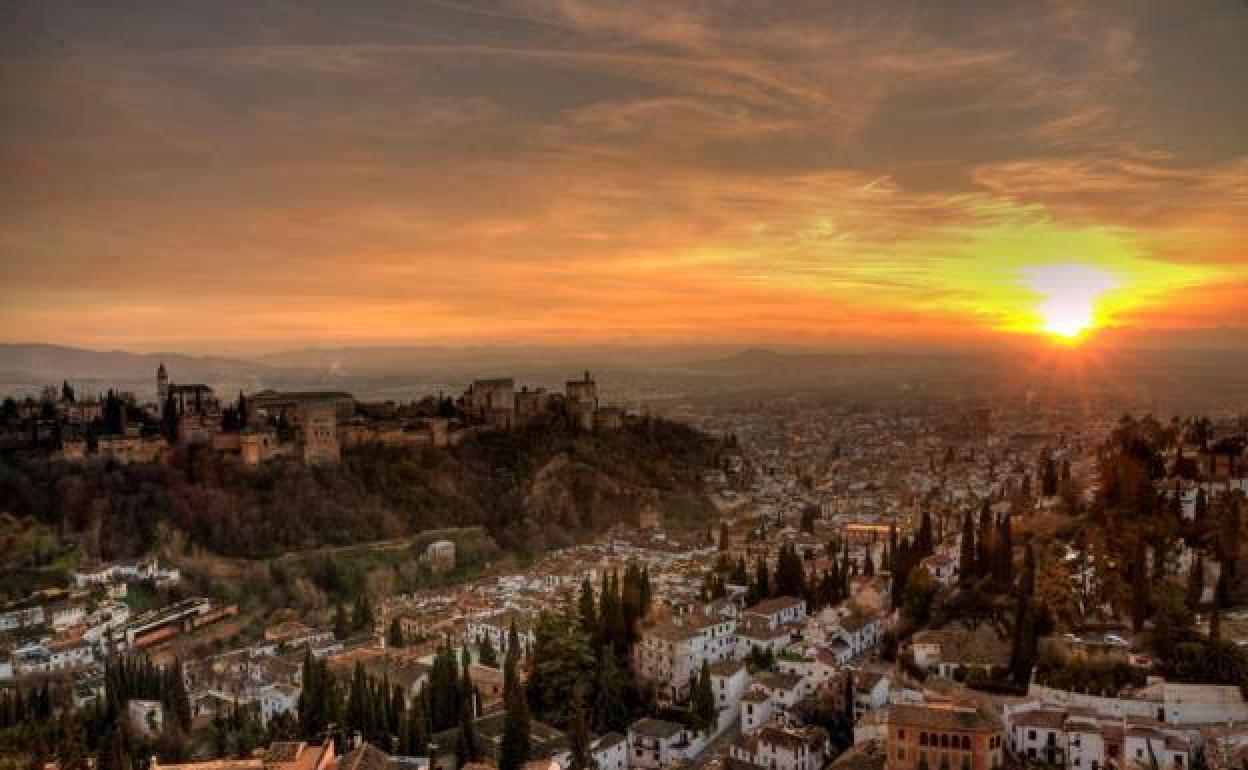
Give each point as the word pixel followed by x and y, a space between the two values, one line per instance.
pixel 531 489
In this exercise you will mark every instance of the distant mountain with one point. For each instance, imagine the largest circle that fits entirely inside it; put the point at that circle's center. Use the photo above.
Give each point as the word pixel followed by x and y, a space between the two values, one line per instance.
pixel 55 362
pixel 30 366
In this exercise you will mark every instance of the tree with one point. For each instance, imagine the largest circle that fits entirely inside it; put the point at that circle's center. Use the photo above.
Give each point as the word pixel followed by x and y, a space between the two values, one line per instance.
pixel 415 737
pixel 467 748
pixel 966 555
pixel 1022 650
pixel 1196 583
pixel 1048 476
pixel 1003 559
pixel 983 541
pixel 702 699
pixel 341 628
pixel 610 709
pixel 67 392
pixel 809 514
pixel 581 756
pixel 588 613
pixel 917 599
pixel 790 574
pixel 362 614
pixel 394 635
pixel 486 652
pixel 515 746
pixel 762 580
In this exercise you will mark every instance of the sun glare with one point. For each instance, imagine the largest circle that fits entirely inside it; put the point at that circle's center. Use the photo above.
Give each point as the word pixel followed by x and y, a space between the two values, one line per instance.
pixel 1069 294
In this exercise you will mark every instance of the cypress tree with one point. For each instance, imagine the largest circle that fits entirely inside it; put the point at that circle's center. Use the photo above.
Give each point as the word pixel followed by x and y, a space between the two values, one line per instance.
pixel 486 652
pixel 1196 583
pixel 966 555
pixel 515 746
pixel 581 757
pixel 983 541
pixel 703 699
pixel 467 748
pixel 1003 563
pixel 394 635
pixel 1022 648
pixel 588 613
pixel 762 580
pixel 415 738
pixel 341 628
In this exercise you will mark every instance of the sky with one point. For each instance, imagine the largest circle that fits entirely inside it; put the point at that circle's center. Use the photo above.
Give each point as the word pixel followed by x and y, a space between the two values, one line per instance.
pixel 251 176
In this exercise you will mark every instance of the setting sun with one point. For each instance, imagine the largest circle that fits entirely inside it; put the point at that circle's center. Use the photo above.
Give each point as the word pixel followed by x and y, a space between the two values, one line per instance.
pixel 1069 295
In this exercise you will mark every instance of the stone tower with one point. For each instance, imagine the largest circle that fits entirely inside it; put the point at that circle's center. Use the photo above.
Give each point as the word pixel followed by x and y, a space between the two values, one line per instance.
pixel 162 387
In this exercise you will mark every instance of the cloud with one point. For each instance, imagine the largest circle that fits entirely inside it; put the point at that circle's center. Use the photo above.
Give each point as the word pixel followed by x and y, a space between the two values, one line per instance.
pixel 560 168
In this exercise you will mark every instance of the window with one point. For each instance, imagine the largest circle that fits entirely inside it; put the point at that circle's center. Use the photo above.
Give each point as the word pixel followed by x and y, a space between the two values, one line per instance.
pixel 922 739
pixel 901 753
pixel 966 743
pixel 1031 735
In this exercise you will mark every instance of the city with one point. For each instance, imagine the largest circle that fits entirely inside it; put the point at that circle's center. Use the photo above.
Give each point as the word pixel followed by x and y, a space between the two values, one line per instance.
pixel 1003 584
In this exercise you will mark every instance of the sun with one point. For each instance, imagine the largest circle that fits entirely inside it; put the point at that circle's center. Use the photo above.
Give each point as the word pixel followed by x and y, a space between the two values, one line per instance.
pixel 1068 296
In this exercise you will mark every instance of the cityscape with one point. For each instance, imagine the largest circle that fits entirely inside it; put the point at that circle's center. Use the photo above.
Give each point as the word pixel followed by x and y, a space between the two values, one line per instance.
pixel 594 385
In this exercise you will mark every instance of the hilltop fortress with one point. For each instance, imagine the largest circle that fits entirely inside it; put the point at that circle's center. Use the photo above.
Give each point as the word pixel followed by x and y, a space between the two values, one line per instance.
pixel 313 426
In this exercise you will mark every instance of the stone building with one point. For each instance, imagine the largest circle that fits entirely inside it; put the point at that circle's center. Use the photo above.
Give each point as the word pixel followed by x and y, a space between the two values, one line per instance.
pixel 942 736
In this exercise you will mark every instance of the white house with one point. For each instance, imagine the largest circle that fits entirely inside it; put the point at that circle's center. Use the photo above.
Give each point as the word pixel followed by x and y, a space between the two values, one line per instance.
pixel 784 749
pixel 610 751
pixel 729 679
pixel 656 743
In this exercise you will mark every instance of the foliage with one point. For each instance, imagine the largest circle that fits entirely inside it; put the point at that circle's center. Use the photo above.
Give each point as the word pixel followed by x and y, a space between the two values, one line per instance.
pixel 376 493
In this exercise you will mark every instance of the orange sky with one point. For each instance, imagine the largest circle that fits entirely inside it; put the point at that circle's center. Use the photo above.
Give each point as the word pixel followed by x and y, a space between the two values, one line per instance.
pixel 212 177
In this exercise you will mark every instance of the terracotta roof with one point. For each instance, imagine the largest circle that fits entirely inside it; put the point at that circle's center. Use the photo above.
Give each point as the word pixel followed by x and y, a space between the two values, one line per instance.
pixel 941 717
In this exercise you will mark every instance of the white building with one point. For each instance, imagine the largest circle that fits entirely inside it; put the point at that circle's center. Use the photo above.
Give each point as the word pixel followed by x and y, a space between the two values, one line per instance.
pixel 671 654
pixel 655 743
pixel 610 751
pixel 784 749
